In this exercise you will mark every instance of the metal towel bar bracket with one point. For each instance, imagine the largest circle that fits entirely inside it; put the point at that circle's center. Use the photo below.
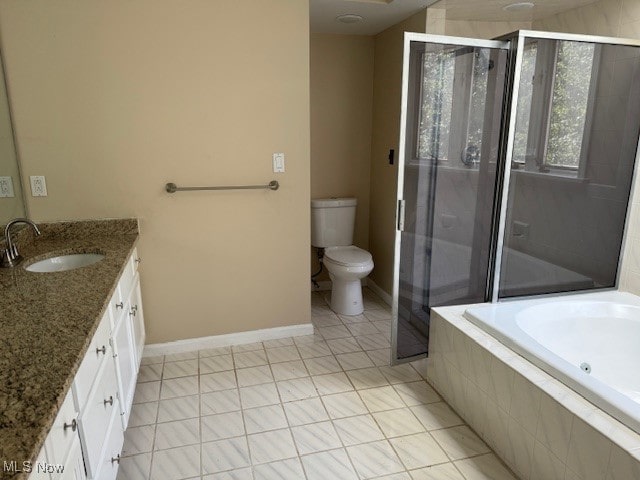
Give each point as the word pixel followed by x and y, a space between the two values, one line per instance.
pixel 272 185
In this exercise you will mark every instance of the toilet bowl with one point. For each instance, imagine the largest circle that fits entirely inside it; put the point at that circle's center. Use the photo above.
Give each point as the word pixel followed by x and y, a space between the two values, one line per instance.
pixel 347 266
pixel 332 224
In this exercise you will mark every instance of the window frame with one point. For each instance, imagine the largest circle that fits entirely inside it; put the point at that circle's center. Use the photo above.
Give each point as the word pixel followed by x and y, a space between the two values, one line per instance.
pixel 460 107
pixel 536 152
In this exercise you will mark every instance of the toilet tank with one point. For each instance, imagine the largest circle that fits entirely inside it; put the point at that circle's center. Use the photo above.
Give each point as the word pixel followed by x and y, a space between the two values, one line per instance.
pixel 332 221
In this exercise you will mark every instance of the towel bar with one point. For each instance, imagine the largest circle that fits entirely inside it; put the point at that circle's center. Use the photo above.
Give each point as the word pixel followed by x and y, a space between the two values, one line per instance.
pixel 272 185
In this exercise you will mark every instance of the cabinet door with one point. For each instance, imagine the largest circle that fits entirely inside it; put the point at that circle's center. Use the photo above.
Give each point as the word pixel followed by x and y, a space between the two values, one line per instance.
pixel 38 469
pixel 137 320
pixel 99 351
pixel 101 407
pixel 108 468
pixel 74 466
pixel 124 356
pixel 63 433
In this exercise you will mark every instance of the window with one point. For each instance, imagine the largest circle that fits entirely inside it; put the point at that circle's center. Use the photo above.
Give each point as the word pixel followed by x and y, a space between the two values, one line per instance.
pixel 524 102
pixel 453 99
pixel 551 134
pixel 436 105
pixel 569 102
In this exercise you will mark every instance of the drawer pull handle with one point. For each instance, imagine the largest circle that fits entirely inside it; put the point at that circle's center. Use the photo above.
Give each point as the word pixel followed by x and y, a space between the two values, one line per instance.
pixel 73 425
pixel 102 350
pixel 133 311
pixel 120 305
pixel 115 459
pixel 110 401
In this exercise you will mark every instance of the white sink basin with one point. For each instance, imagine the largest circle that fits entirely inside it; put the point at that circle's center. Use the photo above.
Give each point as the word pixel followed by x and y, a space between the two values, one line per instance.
pixel 64 262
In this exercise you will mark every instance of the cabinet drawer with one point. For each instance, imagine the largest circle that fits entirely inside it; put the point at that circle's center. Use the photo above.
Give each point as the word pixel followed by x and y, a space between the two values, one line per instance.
pixel 117 307
pixel 98 351
pixel 63 432
pixel 136 260
pixel 97 415
pixel 126 280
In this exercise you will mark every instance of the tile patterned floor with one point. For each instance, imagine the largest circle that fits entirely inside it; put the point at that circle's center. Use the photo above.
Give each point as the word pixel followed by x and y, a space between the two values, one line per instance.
pixel 320 407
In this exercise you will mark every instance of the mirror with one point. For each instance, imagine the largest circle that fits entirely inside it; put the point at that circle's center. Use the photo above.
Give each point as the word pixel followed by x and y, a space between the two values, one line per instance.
pixel 12 203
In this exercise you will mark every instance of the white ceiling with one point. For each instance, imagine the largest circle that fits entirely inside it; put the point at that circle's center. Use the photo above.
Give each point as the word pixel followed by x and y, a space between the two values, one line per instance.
pixel 492 10
pixel 378 14
pixel 381 14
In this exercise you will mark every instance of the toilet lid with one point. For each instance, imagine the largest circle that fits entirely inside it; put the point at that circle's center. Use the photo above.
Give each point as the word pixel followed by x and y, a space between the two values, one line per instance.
pixel 348 256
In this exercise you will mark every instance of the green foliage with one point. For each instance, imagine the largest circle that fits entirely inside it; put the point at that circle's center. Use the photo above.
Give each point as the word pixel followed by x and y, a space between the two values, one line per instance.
pixel 569 103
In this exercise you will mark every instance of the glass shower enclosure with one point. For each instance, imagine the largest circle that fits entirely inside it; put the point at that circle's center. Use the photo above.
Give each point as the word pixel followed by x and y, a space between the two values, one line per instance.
pixel 516 160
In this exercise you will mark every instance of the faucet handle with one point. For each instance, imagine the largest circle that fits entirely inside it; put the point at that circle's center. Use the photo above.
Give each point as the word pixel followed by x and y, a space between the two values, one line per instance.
pixel 11 255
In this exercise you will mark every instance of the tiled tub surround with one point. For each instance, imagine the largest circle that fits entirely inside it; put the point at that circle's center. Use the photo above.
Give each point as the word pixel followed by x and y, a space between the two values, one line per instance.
pixel 568 334
pixel 47 321
pixel 541 428
pixel 317 407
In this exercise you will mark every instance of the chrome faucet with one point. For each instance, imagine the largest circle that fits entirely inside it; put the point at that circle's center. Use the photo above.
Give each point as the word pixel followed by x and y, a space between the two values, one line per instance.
pixel 11 257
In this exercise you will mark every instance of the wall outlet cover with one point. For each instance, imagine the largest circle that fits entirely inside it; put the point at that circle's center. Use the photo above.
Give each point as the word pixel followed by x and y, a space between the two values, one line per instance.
pixel 38 186
pixel 6 187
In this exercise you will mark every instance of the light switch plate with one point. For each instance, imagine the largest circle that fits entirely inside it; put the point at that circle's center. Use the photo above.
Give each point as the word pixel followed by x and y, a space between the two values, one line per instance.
pixel 6 187
pixel 278 163
pixel 38 186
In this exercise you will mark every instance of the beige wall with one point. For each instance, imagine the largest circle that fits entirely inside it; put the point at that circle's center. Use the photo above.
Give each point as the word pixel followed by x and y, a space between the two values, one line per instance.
pixel 486 30
pixel 617 18
pixel 438 24
pixel 10 207
pixel 114 99
pixel 341 70
pixel 386 123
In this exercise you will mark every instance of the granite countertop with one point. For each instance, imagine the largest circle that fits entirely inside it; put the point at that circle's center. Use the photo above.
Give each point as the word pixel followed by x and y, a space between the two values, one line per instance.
pixel 47 321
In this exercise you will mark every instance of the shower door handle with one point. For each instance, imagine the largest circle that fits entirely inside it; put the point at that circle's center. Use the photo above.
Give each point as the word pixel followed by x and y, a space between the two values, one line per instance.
pixel 400 217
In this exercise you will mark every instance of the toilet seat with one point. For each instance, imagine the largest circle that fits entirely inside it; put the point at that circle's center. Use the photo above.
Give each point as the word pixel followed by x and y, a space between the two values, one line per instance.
pixel 350 256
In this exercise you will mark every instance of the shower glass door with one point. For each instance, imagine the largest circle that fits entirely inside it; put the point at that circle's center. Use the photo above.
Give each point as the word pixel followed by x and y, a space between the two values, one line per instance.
pixel 576 117
pixel 453 94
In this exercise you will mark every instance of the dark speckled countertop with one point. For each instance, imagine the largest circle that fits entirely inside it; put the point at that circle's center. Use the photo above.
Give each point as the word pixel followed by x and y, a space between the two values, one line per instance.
pixel 47 321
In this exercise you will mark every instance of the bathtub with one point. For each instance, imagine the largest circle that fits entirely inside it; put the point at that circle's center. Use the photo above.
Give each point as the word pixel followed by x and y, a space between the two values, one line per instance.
pixel 588 341
pixel 451 272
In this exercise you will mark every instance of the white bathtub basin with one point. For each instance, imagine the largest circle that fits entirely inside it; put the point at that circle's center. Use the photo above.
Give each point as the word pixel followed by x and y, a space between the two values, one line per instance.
pixel 62 263
pixel 588 341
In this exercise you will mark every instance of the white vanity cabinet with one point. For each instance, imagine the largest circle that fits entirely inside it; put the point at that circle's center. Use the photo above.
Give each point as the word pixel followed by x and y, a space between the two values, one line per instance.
pixel 88 434
pixel 61 456
pixel 128 334
pixel 137 321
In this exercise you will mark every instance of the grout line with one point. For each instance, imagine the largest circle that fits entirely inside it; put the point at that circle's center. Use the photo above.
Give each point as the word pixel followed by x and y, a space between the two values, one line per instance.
pixel 310 376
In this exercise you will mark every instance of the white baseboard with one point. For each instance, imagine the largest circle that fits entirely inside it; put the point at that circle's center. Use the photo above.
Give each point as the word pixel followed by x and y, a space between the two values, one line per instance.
pixel 388 299
pixel 240 338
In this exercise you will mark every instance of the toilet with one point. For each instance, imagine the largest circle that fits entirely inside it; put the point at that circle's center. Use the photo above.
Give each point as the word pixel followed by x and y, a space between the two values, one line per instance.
pixel 332 222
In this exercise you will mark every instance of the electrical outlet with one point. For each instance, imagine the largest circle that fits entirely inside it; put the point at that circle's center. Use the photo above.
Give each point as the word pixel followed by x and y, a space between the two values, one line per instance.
pixel 38 186
pixel 6 187
pixel 278 163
